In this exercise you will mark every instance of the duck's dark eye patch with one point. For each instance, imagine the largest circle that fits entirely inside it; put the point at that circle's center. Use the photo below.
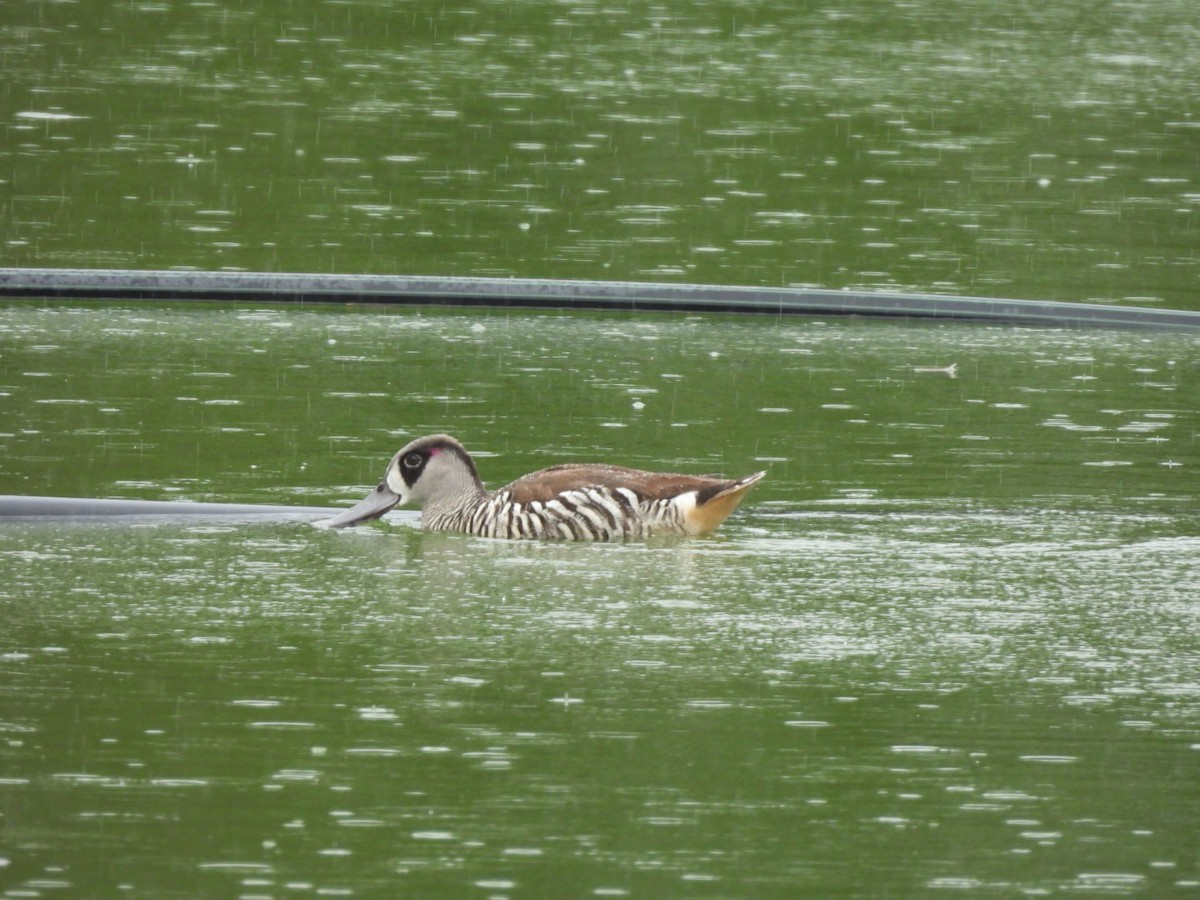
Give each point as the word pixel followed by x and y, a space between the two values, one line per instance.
pixel 413 461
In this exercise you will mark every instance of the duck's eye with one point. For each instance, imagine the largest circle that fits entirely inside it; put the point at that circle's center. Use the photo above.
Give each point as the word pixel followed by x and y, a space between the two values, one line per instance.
pixel 413 461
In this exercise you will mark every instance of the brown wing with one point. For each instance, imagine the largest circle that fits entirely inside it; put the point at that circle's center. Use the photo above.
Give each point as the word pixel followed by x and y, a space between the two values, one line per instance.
pixel 546 484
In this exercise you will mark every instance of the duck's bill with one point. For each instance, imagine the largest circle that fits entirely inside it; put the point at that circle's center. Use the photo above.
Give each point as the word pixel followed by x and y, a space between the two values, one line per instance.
pixel 374 505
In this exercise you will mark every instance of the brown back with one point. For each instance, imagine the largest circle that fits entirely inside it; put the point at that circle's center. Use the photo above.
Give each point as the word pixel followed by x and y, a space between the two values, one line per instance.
pixel 546 484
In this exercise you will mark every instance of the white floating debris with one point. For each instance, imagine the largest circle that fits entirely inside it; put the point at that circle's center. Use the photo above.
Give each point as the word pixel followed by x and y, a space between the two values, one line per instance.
pixel 48 115
pixel 950 371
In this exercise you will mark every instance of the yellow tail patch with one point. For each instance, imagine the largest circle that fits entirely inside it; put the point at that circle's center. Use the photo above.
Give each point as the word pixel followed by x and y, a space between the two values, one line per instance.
pixel 707 515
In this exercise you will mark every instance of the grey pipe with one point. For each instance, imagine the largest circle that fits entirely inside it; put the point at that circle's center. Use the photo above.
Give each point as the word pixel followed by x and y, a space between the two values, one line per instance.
pixel 17 507
pixel 128 284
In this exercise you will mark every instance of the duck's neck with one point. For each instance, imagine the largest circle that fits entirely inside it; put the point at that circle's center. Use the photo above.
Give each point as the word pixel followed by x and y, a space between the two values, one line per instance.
pixel 452 509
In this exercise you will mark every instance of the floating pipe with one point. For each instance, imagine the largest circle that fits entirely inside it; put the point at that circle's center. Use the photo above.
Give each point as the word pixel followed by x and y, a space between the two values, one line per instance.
pixel 130 284
pixel 18 507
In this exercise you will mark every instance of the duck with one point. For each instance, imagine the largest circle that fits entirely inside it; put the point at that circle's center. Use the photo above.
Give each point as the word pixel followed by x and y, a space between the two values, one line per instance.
pixel 568 502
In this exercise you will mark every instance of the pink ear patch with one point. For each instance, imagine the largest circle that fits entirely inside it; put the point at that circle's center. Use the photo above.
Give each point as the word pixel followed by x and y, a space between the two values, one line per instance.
pixel 434 451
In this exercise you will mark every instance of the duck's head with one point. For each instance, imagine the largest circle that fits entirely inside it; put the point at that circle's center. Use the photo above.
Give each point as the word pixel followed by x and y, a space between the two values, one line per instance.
pixel 434 469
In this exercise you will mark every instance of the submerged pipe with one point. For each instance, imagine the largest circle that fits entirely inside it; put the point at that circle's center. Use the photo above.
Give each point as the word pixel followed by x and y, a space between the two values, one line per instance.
pixel 129 284
pixel 17 507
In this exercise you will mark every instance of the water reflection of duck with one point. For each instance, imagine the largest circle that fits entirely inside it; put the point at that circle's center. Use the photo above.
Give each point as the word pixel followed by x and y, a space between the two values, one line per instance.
pixel 570 502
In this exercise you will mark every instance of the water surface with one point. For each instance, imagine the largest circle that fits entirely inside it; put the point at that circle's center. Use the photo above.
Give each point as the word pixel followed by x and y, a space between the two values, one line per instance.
pixel 1031 151
pixel 948 646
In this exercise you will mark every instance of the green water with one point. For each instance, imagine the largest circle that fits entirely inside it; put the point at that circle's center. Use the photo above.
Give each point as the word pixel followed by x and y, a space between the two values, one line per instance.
pixel 948 647
pixel 1040 151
